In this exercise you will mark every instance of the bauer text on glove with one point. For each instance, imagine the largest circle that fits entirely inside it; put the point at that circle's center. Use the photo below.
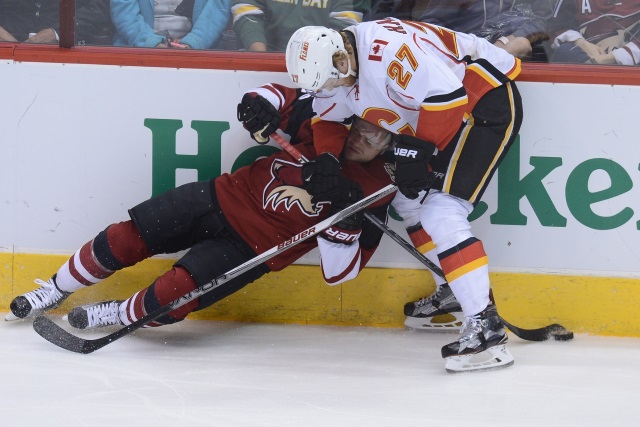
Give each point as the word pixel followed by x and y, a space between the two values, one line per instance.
pixel 412 164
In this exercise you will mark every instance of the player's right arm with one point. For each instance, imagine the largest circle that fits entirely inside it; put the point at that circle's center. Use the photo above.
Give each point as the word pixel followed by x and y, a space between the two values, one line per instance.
pixel 346 247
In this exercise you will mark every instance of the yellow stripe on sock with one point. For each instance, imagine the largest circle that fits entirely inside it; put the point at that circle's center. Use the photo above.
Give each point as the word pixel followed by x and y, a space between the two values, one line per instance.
pixel 455 274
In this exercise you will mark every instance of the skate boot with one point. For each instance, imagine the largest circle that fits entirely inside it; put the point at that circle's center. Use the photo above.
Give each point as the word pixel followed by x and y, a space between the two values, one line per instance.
pixel 95 315
pixel 440 311
pixel 481 346
pixel 33 303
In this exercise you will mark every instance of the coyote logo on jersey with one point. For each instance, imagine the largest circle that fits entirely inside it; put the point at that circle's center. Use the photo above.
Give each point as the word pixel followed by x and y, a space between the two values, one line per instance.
pixel 286 187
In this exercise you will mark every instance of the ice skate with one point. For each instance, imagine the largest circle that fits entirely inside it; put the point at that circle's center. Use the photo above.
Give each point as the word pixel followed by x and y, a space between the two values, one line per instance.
pixel 481 346
pixel 438 312
pixel 36 302
pixel 96 315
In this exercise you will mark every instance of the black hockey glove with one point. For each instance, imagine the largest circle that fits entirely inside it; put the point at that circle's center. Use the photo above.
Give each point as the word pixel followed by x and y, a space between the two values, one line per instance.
pixel 348 230
pixel 320 177
pixel 258 116
pixel 412 162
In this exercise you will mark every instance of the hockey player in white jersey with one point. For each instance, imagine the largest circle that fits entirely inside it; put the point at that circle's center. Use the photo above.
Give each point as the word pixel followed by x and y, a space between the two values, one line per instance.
pixel 451 101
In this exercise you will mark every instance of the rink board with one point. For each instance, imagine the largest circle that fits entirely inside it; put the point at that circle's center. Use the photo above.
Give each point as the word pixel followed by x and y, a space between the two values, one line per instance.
pixel 595 305
pixel 560 221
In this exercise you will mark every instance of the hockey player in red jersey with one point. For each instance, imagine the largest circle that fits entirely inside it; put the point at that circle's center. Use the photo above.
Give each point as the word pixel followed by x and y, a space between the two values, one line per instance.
pixel 451 101
pixel 228 220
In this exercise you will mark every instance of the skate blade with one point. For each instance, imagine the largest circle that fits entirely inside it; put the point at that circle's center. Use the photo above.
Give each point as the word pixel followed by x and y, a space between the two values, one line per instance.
pixel 11 317
pixel 493 358
pixel 450 322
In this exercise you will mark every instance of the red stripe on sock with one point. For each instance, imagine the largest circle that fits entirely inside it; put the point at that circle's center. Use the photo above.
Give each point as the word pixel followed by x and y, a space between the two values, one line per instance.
pixel 419 237
pixel 462 257
pixel 170 286
pixel 138 305
pixel 135 306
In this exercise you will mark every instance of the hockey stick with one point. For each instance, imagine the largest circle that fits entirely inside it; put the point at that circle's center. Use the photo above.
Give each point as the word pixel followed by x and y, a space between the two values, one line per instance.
pixel 53 333
pixel 555 330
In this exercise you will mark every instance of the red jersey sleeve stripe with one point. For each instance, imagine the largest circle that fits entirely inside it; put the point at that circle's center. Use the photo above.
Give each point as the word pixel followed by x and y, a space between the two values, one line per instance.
pixel 349 269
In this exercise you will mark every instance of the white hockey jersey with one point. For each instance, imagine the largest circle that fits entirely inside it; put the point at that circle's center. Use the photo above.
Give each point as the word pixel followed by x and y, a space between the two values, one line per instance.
pixel 413 78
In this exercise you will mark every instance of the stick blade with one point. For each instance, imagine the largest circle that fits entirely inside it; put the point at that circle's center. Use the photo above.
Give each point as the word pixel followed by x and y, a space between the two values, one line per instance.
pixel 560 333
pixel 53 333
pixel 557 331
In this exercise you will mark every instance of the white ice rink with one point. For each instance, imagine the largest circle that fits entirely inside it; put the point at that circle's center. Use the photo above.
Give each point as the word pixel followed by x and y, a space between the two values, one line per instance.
pixel 226 374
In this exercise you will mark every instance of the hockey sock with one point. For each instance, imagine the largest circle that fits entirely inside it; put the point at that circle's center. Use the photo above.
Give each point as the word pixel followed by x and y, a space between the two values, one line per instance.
pixel 125 246
pixel 168 287
pixel 424 244
pixel 466 268
pixel 117 247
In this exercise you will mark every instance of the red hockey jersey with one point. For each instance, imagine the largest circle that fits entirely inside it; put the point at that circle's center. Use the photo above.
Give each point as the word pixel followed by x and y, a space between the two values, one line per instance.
pixel 265 202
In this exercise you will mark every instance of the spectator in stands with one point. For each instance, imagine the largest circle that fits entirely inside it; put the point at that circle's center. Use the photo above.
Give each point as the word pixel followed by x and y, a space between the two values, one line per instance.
pixel 267 25
pixel 400 9
pixel 605 32
pixel 39 22
pixel 191 24
pixel 513 25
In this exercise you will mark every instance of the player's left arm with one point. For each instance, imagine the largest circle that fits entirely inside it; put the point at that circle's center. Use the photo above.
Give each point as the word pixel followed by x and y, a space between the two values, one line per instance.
pixel 341 262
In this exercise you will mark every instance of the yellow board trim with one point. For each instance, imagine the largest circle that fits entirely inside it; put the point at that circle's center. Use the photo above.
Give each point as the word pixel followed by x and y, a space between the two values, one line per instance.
pixel 595 305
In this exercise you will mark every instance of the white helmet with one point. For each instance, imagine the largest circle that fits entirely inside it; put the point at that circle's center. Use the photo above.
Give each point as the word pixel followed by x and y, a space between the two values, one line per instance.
pixel 309 56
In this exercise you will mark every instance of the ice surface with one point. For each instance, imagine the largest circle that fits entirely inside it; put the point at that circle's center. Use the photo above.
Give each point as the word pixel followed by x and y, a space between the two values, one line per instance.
pixel 200 373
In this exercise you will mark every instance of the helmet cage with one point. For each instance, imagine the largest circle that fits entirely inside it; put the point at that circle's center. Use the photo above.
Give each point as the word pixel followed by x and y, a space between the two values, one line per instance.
pixel 374 136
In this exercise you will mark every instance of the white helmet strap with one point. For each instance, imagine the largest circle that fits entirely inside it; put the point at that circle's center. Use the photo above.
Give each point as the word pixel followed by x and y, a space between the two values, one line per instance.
pixel 352 41
pixel 350 71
